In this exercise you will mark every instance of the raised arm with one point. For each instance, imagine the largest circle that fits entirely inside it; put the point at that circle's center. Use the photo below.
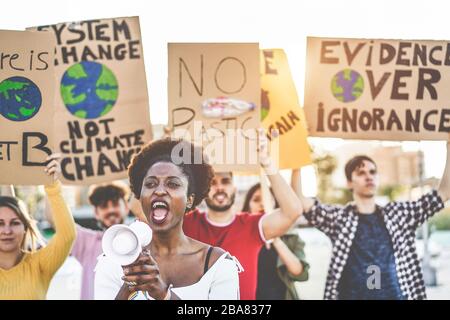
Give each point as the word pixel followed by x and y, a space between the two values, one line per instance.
pixel 293 264
pixel 422 209
pixel 54 254
pixel 296 183
pixel 318 215
pixel 279 221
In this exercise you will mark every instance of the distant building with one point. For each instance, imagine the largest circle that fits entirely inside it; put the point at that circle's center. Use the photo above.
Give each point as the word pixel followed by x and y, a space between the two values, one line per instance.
pixel 396 167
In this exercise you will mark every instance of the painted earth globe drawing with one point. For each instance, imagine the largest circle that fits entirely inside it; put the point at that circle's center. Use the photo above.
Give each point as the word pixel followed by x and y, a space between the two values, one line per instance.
pixel 89 89
pixel 265 104
pixel 20 98
pixel 347 85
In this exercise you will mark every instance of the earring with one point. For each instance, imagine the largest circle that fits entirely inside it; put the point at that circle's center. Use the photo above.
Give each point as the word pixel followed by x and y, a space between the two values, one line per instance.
pixel 190 202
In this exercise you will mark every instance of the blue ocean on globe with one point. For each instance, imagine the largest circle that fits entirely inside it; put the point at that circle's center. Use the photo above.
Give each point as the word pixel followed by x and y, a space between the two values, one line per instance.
pixel 89 89
pixel 20 98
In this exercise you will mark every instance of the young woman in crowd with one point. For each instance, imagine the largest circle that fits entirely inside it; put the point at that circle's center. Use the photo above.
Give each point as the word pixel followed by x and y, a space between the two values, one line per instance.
pixel 173 266
pixel 280 263
pixel 25 270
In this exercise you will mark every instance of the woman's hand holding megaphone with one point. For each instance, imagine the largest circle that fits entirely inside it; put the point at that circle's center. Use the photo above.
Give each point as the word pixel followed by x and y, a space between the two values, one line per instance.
pixel 143 275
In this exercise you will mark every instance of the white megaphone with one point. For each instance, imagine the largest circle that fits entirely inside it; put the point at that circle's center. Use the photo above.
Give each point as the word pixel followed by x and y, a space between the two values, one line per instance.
pixel 124 243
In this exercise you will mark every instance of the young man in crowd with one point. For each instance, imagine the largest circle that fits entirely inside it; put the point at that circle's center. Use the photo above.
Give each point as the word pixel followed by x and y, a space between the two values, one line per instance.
pixel 374 254
pixel 240 233
pixel 110 204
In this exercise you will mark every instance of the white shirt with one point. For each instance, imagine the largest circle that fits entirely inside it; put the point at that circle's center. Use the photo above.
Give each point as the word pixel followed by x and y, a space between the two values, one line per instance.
pixel 220 282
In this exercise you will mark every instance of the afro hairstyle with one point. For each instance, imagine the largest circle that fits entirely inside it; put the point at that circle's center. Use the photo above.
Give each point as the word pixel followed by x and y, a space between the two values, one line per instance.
pixel 190 159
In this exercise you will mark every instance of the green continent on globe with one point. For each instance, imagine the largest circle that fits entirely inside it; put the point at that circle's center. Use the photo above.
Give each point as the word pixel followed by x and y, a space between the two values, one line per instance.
pixel 23 112
pixel 68 96
pixel 20 98
pixel 89 89
pixel 107 109
pixel 108 79
pixel 8 85
pixel 27 112
pixel 264 113
pixel 81 114
pixel 347 85
pixel 77 71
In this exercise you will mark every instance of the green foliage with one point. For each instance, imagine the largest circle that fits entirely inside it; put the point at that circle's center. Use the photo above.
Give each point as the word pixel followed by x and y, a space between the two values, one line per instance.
pixel 325 164
pixel 342 196
pixel 441 221
pixel 392 191
pixel 32 199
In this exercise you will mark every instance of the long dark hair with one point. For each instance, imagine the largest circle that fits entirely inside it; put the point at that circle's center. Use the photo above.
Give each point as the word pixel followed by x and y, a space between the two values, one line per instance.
pixel 249 195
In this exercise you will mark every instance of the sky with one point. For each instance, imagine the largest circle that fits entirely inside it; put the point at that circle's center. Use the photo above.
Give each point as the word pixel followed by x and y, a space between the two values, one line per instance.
pixel 274 24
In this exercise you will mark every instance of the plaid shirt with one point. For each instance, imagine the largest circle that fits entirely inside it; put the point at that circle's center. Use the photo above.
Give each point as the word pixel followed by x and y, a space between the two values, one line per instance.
pixel 401 219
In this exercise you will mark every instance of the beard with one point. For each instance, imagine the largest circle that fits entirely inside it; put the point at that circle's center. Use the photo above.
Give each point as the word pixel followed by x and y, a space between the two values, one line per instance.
pixel 101 223
pixel 220 208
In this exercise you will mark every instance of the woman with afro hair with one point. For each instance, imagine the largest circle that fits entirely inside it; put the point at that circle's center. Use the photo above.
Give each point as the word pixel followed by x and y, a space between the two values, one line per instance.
pixel 170 177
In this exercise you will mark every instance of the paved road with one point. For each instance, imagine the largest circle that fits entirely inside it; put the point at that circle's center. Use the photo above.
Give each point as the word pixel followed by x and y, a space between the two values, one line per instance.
pixel 318 252
pixel 66 284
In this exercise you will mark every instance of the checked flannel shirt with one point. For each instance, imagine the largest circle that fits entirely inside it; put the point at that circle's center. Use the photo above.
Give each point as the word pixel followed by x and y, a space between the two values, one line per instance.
pixel 402 219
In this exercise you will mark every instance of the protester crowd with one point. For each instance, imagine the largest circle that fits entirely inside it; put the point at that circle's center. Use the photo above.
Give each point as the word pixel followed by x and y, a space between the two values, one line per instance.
pixel 223 252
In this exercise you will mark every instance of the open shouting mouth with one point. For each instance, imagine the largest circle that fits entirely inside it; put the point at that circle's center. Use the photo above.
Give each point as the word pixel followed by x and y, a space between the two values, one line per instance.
pixel 160 211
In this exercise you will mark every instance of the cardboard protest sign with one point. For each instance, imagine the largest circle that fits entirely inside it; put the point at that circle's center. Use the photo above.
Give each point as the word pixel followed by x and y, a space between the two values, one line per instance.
pixel 214 100
pixel 26 106
pixel 378 89
pixel 280 110
pixel 102 112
